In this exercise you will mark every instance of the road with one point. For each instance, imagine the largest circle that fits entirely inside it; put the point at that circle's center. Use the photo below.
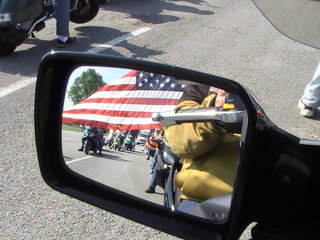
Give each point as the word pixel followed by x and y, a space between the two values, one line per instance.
pixel 229 38
pixel 123 170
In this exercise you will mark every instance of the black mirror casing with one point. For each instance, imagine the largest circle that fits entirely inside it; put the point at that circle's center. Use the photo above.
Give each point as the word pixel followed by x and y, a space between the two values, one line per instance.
pixel 54 71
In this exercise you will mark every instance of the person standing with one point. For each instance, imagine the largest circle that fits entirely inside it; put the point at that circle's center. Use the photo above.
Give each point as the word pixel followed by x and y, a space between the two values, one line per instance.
pixel 310 99
pixel 62 14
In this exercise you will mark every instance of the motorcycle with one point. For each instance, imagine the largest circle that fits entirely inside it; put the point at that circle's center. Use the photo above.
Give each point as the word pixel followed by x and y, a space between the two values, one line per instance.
pixel 117 143
pixel 129 144
pixel 90 143
pixel 20 19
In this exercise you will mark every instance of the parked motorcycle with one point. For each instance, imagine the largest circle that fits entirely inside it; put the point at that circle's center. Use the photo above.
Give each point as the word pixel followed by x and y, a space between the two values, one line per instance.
pixel 20 19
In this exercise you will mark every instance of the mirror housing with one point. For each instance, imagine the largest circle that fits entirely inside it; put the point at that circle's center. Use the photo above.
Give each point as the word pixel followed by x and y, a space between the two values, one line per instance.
pixel 53 74
pixel 254 195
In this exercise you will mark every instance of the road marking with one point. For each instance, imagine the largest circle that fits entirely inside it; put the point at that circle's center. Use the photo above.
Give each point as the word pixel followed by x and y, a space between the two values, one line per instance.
pixel 118 40
pixel 16 86
pixel 25 82
pixel 78 159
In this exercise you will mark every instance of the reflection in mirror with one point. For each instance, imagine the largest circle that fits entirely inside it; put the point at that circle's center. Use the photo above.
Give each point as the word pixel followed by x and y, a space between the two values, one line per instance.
pixel 172 142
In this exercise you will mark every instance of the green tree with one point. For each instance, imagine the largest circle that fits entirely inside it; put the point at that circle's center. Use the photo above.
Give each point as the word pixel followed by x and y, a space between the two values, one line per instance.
pixel 85 85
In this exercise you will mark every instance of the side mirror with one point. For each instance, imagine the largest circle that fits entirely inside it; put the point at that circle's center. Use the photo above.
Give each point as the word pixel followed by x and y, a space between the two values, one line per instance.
pixel 76 96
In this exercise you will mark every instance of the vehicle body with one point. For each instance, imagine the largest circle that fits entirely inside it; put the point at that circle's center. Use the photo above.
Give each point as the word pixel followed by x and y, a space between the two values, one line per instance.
pixel 20 19
pixel 142 138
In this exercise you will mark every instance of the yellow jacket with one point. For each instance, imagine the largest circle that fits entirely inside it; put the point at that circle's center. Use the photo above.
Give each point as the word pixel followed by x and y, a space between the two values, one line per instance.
pixel 209 156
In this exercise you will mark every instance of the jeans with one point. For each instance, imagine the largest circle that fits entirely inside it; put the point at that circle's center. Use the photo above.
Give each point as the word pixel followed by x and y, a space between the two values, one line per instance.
pixel 62 14
pixel 311 96
pixel 156 166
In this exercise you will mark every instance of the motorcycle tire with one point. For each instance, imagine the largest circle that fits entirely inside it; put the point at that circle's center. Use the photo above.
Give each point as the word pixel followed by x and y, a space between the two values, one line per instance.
pixel 86 149
pixel 10 38
pixel 84 13
pixel 7 49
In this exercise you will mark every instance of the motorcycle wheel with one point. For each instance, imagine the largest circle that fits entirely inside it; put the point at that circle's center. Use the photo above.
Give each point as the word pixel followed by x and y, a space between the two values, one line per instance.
pixel 86 149
pixel 6 49
pixel 84 13
pixel 10 38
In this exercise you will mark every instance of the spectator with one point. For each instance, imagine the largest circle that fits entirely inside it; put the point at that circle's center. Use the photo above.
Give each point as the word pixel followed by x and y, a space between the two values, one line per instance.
pixel 62 14
pixel 311 97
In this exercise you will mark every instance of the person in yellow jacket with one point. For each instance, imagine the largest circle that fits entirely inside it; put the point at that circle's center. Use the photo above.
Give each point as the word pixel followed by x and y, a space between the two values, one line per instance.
pixel 209 153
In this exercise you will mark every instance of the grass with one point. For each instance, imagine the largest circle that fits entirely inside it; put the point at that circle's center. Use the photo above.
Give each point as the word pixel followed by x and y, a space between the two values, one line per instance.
pixel 70 128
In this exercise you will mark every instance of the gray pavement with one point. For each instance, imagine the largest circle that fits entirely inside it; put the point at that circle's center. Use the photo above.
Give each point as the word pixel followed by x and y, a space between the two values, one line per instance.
pixel 229 38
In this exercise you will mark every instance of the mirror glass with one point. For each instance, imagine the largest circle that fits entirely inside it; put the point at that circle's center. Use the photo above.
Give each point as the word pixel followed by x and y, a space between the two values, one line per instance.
pixel 297 19
pixel 170 141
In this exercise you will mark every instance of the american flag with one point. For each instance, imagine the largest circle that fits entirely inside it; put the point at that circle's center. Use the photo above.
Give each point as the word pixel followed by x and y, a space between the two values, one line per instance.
pixel 127 103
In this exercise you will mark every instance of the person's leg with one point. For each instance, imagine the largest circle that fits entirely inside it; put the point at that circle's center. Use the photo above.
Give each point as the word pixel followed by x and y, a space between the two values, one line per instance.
pixel 62 14
pixel 153 182
pixel 311 97
pixel 154 161
pixel 149 153
pixel 156 170
pixel 82 144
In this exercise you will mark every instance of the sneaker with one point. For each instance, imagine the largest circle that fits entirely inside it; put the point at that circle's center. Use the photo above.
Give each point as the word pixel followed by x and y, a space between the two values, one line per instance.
pixel 150 190
pixel 305 110
pixel 70 41
pixel 150 172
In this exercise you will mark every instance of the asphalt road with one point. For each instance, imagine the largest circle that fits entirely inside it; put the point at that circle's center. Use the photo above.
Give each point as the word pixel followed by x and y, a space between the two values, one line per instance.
pixel 124 170
pixel 229 38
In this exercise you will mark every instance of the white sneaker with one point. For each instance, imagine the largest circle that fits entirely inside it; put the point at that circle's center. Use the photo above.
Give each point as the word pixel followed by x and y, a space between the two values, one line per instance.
pixel 305 110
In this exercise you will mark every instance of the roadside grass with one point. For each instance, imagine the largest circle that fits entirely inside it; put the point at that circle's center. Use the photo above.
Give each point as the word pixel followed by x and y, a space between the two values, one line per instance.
pixel 70 128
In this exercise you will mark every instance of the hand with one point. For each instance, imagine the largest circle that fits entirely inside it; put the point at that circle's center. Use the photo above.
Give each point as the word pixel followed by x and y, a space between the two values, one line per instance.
pixel 220 98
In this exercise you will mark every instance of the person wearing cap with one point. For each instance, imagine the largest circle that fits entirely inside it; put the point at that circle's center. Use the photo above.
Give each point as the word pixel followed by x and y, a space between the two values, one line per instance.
pixel 209 153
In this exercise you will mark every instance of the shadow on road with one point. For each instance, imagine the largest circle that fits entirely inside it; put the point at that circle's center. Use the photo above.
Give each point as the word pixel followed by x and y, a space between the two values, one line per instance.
pixel 155 11
pixel 25 62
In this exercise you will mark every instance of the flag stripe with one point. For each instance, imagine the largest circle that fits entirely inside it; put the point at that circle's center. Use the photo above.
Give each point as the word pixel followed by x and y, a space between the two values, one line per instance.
pixel 150 101
pixel 105 125
pixel 138 94
pixel 123 107
pixel 110 119
pixel 121 81
pixel 77 113
pixel 122 87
